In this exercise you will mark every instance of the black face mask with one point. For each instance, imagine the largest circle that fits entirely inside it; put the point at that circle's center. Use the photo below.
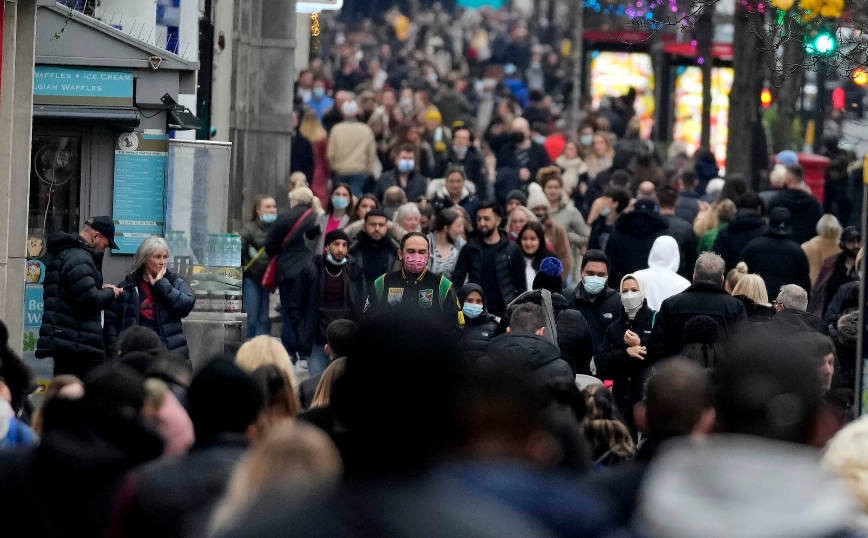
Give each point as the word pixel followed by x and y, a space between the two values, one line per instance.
pixel 518 137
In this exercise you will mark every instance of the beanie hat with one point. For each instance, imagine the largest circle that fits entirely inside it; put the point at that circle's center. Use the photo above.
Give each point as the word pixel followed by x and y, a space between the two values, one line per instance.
pixel 350 109
pixel 779 221
pixel 788 157
pixel 223 398
pixel 517 195
pixel 335 235
pixel 432 114
pixel 701 330
pixel 549 276
pixel 537 199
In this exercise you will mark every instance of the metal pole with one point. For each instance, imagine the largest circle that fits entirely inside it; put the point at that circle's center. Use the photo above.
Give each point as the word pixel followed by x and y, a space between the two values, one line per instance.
pixel 577 53
pixel 861 402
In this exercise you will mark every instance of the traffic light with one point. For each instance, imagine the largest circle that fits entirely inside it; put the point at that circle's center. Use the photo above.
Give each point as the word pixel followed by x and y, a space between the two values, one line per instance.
pixel 766 98
pixel 821 42
pixel 860 77
pixel 838 99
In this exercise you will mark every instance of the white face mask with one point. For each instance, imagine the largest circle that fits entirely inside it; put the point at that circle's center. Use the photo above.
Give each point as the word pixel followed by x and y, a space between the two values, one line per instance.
pixel 632 300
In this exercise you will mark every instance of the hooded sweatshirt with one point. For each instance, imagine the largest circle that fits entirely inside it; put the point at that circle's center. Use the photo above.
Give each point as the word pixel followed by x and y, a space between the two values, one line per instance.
pixel 742 487
pixel 661 281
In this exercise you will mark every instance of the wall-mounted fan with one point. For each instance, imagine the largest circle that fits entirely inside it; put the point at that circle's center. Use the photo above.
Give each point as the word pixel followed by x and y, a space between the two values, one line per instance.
pixel 54 165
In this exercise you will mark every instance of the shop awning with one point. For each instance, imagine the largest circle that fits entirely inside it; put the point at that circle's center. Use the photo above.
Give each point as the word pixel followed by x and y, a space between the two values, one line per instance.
pixel 121 118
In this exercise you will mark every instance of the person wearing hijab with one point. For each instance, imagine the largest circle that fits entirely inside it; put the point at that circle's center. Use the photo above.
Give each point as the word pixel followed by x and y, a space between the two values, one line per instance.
pixel 622 356
pixel 661 280
pixel 479 325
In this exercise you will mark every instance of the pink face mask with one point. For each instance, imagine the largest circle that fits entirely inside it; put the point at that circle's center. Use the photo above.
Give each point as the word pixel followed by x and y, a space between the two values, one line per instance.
pixel 415 263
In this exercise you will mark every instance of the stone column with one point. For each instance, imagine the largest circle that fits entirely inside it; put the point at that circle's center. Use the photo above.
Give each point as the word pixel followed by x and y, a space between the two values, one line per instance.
pixel 261 117
pixel 16 117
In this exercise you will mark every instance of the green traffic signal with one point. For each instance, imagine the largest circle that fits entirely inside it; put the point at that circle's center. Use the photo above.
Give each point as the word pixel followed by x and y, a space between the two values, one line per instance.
pixel 821 43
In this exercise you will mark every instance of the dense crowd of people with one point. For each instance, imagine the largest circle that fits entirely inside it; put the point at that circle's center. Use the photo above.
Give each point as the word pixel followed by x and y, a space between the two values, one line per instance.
pixel 489 326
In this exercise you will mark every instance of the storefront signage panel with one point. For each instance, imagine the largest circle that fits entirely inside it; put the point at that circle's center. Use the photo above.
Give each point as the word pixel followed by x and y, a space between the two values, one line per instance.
pixel 139 199
pixel 53 85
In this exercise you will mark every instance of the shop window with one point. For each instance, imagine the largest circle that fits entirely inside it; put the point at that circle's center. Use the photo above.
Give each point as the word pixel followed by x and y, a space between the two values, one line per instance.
pixel 55 184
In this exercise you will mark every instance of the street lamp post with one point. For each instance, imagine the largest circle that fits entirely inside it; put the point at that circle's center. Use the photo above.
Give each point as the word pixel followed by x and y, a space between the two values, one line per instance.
pixel 577 52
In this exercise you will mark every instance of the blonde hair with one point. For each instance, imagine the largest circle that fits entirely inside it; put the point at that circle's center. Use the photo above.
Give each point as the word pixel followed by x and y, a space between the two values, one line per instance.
pixel 264 350
pixel 828 227
pixel 296 180
pixel 312 128
pixel 847 456
pixel 323 395
pixel 291 453
pixel 303 195
pixel 753 287
pixel 735 275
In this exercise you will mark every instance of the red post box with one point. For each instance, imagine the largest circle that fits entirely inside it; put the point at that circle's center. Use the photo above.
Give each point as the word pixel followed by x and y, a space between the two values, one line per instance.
pixel 814 167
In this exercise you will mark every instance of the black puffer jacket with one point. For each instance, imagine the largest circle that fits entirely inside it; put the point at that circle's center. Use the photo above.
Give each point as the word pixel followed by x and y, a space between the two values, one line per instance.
pixel 508 259
pixel 574 334
pixel 700 299
pixel 731 240
pixel 175 301
pixel 779 261
pixel 253 237
pixel 477 331
pixel 631 241
pixel 534 354
pixel 74 298
pixel 293 257
pixel 626 372
pixel 598 311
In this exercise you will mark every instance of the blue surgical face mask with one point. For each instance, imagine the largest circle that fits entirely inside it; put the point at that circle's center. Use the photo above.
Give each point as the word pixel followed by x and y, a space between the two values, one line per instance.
pixel 406 165
pixel 340 202
pixel 268 218
pixel 461 152
pixel 335 262
pixel 471 310
pixel 319 93
pixel 587 139
pixel 605 211
pixel 540 139
pixel 594 284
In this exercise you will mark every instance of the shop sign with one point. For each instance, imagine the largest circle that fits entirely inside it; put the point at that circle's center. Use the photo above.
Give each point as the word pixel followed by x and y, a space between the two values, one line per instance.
pixel 139 199
pixel 54 85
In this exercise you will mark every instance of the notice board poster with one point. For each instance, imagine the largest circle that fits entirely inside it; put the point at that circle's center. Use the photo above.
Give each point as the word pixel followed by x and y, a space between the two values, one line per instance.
pixel 139 200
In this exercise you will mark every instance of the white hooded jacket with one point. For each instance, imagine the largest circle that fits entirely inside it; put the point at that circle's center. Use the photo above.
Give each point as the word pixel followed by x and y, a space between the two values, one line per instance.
pixel 661 281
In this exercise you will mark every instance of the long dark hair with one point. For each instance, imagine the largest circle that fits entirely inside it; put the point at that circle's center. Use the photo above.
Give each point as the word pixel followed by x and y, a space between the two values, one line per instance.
pixel 258 202
pixel 330 207
pixel 354 216
pixel 543 251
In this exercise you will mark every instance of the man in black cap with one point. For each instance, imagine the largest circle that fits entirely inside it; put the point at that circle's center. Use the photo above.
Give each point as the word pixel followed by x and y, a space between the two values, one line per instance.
pixel 775 257
pixel 326 291
pixel 75 297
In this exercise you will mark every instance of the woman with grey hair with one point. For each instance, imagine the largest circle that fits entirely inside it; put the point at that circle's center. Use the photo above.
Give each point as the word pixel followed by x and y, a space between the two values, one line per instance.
pixel 152 297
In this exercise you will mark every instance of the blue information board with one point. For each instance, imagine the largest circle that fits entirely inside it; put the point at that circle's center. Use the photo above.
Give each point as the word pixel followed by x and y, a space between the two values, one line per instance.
pixel 139 199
